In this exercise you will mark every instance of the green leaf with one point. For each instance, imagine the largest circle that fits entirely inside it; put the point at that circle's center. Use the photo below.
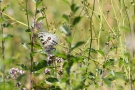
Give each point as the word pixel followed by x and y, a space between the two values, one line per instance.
pixel 66 1
pixel 1 1
pixel 32 54
pixel 109 63
pixel 5 8
pixel 68 40
pixel 7 25
pixel 99 71
pixel 38 11
pixel 32 25
pixel 73 59
pixel 110 75
pixel 107 81
pixel 29 12
pixel 54 88
pixel 77 45
pixel 92 74
pixel 8 61
pixel 28 30
pixel 9 36
pixel 23 66
pixel 92 50
pixel 8 83
pixel 125 28
pixel 37 46
pixel 52 79
pixel 76 59
pixel 25 45
pixel 77 87
pixel 65 17
pixel 120 62
pixel 40 18
pixel 62 55
pixel 112 72
pixel 127 57
pixel 1 19
pixel 120 75
pixel 112 48
pixel 74 8
pixel 76 20
pixel 35 1
pixel 38 3
pixel 101 52
pixel 65 29
pixel 39 65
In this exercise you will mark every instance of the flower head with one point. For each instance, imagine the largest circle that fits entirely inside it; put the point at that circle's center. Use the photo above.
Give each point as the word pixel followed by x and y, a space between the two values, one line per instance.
pixel 15 72
pixel 47 71
pixel 59 60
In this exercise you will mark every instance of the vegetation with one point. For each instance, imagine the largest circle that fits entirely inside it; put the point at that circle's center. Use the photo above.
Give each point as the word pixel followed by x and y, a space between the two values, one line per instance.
pixel 93 41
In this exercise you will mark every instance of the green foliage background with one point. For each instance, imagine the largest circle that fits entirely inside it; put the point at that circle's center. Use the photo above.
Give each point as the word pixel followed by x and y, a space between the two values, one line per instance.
pixel 101 55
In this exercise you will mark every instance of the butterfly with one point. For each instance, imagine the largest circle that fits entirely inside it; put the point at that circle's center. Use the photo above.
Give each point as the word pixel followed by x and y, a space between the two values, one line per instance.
pixel 48 41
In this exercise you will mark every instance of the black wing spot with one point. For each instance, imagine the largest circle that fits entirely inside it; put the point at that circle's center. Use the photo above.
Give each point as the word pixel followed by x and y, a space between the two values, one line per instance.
pixel 55 42
pixel 40 36
pixel 42 39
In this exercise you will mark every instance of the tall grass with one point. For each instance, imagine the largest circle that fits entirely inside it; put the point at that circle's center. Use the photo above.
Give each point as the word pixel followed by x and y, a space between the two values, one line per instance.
pixel 95 49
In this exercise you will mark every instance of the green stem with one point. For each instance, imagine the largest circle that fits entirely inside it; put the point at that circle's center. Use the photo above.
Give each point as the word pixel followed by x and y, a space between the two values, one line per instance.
pixel 44 14
pixel 105 18
pixel 32 40
pixel 3 48
pixel 91 28
pixel 14 19
pixel 130 62
pixel 127 14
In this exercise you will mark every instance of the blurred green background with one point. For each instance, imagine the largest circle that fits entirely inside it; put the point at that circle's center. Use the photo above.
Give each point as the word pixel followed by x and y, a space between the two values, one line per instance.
pixel 116 15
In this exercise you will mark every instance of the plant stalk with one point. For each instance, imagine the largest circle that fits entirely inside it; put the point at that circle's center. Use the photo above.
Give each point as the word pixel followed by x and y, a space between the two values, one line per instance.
pixel 3 47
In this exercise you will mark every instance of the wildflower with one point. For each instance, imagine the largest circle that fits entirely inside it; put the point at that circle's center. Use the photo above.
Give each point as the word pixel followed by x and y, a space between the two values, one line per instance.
pixel 60 72
pixel 21 72
pixel 18 84
pixel 38 25
pixel 50 59
pixel 59 60
pixel 15 72
pixel 47 71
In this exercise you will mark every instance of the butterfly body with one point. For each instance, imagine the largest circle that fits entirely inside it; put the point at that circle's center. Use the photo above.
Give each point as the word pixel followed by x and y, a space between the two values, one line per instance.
pixel 48 40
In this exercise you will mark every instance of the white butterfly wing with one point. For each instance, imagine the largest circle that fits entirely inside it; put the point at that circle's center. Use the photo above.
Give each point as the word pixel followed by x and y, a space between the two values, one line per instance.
pixel 53 39
pixel 48 40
